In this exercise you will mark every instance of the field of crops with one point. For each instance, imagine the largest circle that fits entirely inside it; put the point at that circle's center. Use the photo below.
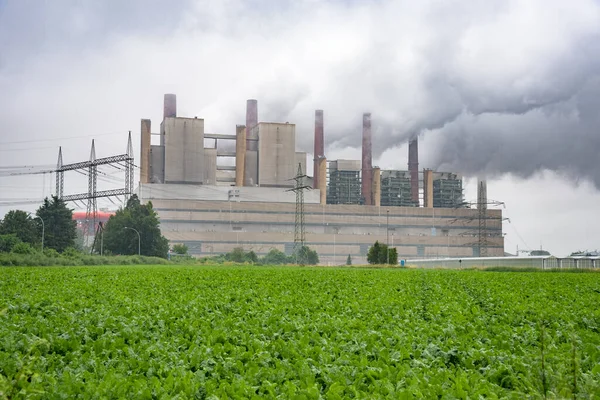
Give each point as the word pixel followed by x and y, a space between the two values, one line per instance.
pixel 219 332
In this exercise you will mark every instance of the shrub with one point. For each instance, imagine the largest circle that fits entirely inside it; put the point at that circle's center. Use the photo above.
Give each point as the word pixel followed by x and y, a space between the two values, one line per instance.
pixel 22 248
pixel 7 242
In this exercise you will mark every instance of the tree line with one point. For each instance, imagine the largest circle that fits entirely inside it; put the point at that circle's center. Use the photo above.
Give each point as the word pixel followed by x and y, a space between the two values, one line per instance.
pixel 52 228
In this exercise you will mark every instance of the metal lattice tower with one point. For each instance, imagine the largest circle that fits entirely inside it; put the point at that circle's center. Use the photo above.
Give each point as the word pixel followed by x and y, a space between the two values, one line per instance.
pixel 482 217
pixel 92 206
pixel 128 171
pixel 299 232
pixel 120 162
pixel 60 175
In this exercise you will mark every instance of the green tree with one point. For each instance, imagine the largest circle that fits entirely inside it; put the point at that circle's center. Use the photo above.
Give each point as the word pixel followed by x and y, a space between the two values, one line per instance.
pixel 22 225
pixel 180 248
pixel 305 256
pixel 374 254
pixel 349 260
pixel 8 242
pixel 60 227
pixel 393 256
pixel 378 254
pixel 143 219
pixel 251 256
pixel 23 248
pixel 236 255
pixel 275 257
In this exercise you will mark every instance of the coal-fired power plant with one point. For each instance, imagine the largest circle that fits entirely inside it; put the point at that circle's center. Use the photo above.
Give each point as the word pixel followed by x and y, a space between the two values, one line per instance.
pixel 215 191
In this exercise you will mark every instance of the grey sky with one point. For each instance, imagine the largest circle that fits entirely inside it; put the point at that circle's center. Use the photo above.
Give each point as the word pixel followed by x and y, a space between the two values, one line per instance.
pixel 503 89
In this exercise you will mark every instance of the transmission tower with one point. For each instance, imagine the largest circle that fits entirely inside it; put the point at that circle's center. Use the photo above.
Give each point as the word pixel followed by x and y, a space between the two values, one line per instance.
pixel 482 217
pixel 120 162
pixel 92 206
pixel 299 233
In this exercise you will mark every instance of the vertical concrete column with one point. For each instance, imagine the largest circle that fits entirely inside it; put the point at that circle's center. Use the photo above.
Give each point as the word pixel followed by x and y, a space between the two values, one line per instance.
pixel 240 154
pixel 319 147
pixel 145 151
pixel 322 180
pixel 427 188
pixel 413 168
pixel 170 106
pixel 376 186
pixel 367 167
pixel 251 160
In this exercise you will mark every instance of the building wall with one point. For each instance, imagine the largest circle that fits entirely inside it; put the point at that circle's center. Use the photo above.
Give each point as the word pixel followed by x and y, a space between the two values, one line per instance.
pixel 211 227
pixel 447 190
pixel 184 149
pixel 300 159
pixel 156 168
pixel 396 189
pixel 209 170
pixel 344 182
pixel 276 154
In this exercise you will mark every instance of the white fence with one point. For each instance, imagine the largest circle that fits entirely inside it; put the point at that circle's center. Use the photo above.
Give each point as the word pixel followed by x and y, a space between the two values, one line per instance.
pixel 543 262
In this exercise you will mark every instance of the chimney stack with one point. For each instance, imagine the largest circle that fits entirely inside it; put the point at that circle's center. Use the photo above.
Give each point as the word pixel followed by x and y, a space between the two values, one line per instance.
pixel 170 106
pixel 251 122
pixel 319 147
pixel 367 167
pixel 482 194
pixel 413 168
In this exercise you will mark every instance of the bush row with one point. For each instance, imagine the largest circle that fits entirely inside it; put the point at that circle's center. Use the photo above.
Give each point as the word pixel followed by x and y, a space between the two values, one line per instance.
pixel 39 259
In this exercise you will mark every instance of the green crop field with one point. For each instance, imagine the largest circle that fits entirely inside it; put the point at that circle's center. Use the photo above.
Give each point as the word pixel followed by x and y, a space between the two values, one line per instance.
pixel 244 332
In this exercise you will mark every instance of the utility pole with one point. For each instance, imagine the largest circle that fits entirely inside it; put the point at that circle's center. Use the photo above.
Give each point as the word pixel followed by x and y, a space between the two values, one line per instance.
pixel 299 233
pixel 139 239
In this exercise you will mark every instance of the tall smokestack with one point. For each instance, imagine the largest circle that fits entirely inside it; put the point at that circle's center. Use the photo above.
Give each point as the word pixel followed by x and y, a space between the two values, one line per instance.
pixel 170 106
pixel 251 122
pixel 367 167
pixel 482 200
pixel 413 168
pixel 319 146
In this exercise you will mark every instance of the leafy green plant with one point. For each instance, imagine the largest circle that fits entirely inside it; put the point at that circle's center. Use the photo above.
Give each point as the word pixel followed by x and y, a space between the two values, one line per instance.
pixel 180 248
pixel 223 331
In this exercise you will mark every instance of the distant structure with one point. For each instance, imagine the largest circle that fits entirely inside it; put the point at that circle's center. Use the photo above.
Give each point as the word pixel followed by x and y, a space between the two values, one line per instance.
pixel 344 182
pixel 217 191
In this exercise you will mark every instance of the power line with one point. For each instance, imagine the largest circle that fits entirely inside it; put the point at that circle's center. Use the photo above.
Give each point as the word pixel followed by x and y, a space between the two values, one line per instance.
pixel 62 138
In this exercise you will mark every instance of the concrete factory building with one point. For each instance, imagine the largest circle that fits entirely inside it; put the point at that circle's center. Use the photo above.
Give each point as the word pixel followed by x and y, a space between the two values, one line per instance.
pixel 214 205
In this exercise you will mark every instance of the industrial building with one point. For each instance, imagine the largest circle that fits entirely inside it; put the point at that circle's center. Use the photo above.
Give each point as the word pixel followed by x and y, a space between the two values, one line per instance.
pixel 214 207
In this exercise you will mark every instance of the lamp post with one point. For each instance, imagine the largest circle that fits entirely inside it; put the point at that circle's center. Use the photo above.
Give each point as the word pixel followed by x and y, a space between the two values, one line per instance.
pixel 387 234
pixel 43 231
pixel 139 239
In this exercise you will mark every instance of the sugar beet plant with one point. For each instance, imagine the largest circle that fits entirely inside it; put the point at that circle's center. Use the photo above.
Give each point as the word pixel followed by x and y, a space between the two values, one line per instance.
pixel 233 332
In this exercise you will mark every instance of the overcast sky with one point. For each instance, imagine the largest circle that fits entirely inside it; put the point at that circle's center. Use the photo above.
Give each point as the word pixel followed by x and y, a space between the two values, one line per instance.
pixel 507 90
